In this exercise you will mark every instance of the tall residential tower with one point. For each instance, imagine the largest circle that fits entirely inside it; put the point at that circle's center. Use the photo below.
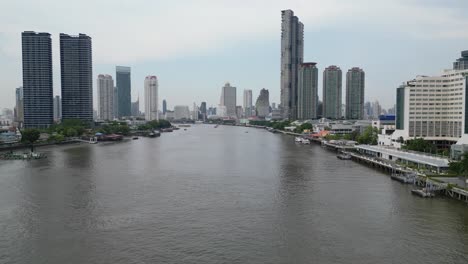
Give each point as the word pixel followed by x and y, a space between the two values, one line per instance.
pixel 307 91
pixel 228 99
pixel 37 79
pixel 151 98
pixel 292 53
pixel 247 103
pixel 76 66
pixel 332 92
pixel 355 83
pixel 105 85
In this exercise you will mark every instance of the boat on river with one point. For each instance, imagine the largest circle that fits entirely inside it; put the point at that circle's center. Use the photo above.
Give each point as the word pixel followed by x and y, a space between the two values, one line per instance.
pixel 344 156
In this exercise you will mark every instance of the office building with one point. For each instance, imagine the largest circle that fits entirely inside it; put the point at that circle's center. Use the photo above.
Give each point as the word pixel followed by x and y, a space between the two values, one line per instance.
pixel 376 110
pixel 228 100
pixel 116 102
pixel 105 85
pixel 57 109
pixel 203 111
pixel 263 104
pixel 181 112
pixel 37 79
pixel 76 67
pixel 247 103
pixel 332 92
pixel 434 107
pixel 355 84
pixel 151 98
pixel 164 106
pixel 307 91
pixel 124 90
pixel 19 113
pixel 461 63
pixel 292 53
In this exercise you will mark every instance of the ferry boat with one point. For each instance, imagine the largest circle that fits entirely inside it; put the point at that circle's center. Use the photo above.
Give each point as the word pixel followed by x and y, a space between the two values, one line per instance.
pixel 298 139
pixel 343 156
pixel 305 141
pixel 134 138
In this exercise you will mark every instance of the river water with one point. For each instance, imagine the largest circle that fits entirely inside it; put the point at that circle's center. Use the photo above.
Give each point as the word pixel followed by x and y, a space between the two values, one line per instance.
pixel 217 195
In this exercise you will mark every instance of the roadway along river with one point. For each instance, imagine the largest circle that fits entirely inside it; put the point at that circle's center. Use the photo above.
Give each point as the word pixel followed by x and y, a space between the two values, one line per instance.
pixel 217 195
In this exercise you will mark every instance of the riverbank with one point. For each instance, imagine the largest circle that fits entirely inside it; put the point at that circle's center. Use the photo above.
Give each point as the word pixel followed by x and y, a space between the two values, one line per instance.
pixel 441 185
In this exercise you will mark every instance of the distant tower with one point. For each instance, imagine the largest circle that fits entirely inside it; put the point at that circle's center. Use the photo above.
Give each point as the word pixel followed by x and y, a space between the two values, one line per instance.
pixel 151 98
pixel 307 91
pixel 332 92
pixel 292 53
pixel 37 79
pixel 263 104
pixel 164 106
pixel 228 99
pixel 19 105
pixel 124 90
pixel 76 67
pixel 355 93
pixel 247 103
pixel 105 85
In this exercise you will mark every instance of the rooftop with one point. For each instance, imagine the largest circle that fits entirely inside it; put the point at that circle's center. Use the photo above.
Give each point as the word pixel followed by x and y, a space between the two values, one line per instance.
pixel 413 157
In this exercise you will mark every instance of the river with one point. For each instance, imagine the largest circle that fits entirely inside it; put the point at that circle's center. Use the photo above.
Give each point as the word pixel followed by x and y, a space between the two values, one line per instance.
pixel 217 195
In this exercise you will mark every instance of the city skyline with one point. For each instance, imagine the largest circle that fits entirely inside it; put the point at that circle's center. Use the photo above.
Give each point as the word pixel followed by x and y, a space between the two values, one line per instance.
pixel 324 28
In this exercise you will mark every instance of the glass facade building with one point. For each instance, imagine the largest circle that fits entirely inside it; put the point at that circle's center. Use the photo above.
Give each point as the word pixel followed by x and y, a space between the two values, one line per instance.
pixel 124 91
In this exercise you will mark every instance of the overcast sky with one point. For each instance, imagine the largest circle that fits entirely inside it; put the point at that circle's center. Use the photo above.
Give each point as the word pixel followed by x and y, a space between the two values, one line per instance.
pixel 194 47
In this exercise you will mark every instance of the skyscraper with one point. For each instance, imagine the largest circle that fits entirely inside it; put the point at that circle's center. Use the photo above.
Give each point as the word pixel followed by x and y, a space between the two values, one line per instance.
pixel 57 108
pixel 228 99
pixel 37 79
pixel 263 104
pixel 135 107
pixel 124 90
pixel 247 103
pixel 19 116
pixel 307 91
pixel 355 83
pixel 76 66
pixel 116 102
pixel 105 85
pixel 151 98
pixel 332 92
pixel 203 111
pixel 164 106
pixel 292 53
pixel 461 63
pixel 181 112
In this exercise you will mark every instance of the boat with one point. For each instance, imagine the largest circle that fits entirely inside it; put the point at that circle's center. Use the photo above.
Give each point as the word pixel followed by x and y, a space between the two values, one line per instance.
pixel 216 126
pixel 184 125
pixel 305 141
pixel 176 128
pixel 298 139
pixel 169 129
pixel 185 129
pixel 134 138
pixel 246 132
pixel 343 156
pixel 154 134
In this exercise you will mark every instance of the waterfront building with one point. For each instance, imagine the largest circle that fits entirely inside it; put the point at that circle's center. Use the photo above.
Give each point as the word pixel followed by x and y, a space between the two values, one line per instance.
pixel 263 104
pixel 123 79
pixel 307 91
pixel 181 112
pixel 37 79
pixel 228 99
pixel 164 105
pixel 57 109
pixel 292 53
pixel 355 84
pixel 116 102
pixel 247 103
pixel 195 112
pixel 170 115
pixel 105 85
pixel 239 112
pixel 19 112
pixel 76 67
pixel 434 108
pixel 332 92
pixel 151 98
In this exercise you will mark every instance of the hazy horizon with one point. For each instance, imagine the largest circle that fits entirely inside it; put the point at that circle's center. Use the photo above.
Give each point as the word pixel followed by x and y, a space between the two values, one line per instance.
pixel 195 47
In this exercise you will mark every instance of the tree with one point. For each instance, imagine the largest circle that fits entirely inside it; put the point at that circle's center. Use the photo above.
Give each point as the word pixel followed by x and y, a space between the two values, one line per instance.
pixel 369 136
pixel 421 145
pixel 29 136
pixel 460 167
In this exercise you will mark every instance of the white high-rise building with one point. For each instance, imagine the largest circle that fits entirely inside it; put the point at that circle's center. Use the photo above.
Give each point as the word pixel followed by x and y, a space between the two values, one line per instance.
pixel 228 99
pixel 433 107
pixel 247 103
pixel 151 98
pixel 181 112
pixel 105 85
